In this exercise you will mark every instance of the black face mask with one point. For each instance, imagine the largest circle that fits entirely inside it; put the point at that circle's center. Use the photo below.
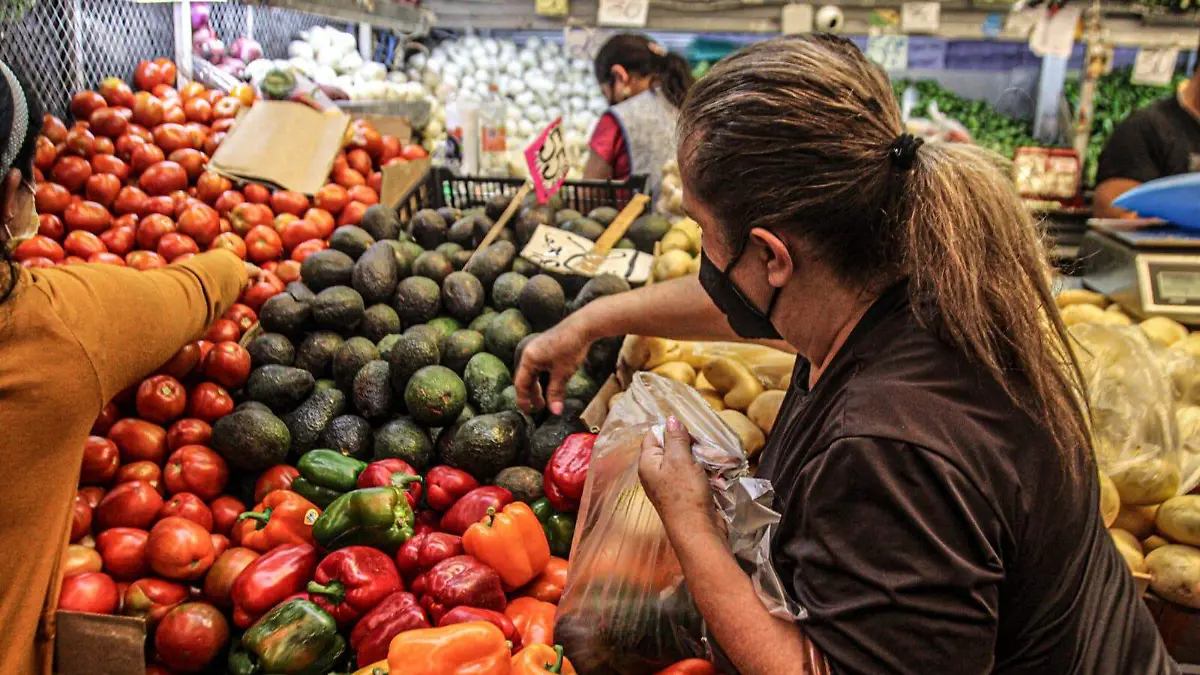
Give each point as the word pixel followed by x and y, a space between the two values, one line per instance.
pixel 746 320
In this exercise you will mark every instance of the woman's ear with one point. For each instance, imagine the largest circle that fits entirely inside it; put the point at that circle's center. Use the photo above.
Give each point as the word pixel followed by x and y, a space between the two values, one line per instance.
pixel 619 75
pixel 777 257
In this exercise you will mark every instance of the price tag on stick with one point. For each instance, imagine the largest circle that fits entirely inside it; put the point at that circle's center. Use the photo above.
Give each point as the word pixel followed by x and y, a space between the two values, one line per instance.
pixel 548 161
pixel 502 220
pixel 1155 66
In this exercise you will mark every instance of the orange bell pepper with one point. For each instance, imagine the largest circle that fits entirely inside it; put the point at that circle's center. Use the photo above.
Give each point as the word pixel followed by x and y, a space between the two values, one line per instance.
pixel 549 585
pixel 475 648
pixel 283 518
pixel 689 667
pixel 534 620
pixel 511 542
pixel 541 659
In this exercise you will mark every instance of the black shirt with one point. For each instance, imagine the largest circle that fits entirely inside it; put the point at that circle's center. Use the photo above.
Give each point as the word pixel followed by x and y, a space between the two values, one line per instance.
pixel 1159 140
pixel 928 527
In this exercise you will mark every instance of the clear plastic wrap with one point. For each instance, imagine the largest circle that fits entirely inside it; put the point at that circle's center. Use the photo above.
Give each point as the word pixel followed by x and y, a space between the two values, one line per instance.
pixel 1182 369
pixel 626 609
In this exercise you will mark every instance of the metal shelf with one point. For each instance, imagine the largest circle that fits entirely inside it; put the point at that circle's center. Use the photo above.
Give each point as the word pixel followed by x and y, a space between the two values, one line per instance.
pixel 397 16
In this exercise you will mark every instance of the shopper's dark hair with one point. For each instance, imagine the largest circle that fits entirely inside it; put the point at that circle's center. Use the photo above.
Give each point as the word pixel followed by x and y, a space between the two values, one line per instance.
pixel 24 158
pixel 642 56
pixel 797 134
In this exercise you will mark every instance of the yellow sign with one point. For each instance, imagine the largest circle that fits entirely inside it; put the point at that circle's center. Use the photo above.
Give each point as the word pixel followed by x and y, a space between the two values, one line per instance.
pixel 551 7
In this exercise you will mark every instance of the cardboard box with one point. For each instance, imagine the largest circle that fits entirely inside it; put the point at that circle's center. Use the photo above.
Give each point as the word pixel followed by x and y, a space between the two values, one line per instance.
pixel 402 177
pixel 98 644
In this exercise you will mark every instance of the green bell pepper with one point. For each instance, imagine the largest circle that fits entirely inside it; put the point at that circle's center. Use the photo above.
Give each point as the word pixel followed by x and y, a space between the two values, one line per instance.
pixel 559 527
pixel 326 475
pixel 295 638
pixel 380 517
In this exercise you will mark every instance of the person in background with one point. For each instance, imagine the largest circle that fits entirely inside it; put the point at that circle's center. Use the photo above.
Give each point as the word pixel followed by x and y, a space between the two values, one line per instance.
pixel 71 338
pixel 645 85
pixel 1162 139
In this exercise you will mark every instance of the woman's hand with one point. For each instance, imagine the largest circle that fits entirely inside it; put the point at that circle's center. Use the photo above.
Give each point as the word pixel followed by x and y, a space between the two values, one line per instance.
pixel 675 483
pixel 558 351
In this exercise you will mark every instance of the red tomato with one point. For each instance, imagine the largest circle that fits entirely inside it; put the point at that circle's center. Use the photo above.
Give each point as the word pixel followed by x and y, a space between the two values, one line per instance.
pixel 218 584
pixel 389 148
pixel 39 245
pixel 132 504
pixel 152 228
pixel 145 156
pixel 210 185
pixel 198 470
pixel 243 316
pixel 179 549
pixel 108 416
pixel 106 258
pixel 230 241
pixel 71 172
pixel 352 214
pixel 103 146
pixel 163 178
pixel 287 201
pixel 375 182
pixel 198 110
pixel 38 262
pixel 152 599
pixel 187 431
pixel 44 154
pixel 191 637
pixel 263 244
pixel 145 260
pixel 120 240
pixel 89 216
pixel 172 136
pixel 245 217
pixel 139 440
pixel 258 294
pixel 205 347
pixel 363 135
pixel 110 165
pixel 110 122
pixel 363 194
pixel 359 160
pixel 83 244
pixel 282 221
pixel 308 248
pixel 297 232
pixel 210 401
pixel 91 592
pixel 52 197
pixel 228 201
pixel 50 225
pixel 348 178
pixel 124 552
pixel 223 330
pixel 174 245
pixel 288 271
pixel 147 471
pixel 228 364
pixel 225 511
pixel 169 70
pixel 220 544
pixel 226 108
pixel 101 459
pixel 80 559
pixel 80 142
pixel 129 199
pixel 161 399
pixel 53 128
pixel 413 151
pixel 124 147
pixel 162 205
pixel 332 198
pixel 102 188
pixel 183 363
pixel 115 93
pixel 81 518
pixel 148 75
pixel 188 505
pixel 148 110
pixel 257 194
pixel 191 160
pixel 173 114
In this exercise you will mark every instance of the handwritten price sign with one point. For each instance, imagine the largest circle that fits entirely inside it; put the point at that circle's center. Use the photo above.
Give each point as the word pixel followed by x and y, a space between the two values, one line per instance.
pixel 548 161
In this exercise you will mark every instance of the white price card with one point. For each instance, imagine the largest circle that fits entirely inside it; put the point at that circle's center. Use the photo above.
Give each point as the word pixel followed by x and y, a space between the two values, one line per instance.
pixel 548 161
pixel 920 17
pixel 796 19
pixel 1155 66
pixel 625 13
pixel 556 250
pixel 889 51
pixel 1054 35
pixel 551 7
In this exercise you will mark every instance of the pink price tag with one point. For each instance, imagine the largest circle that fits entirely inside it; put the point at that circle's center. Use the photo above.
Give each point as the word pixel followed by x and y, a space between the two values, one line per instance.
pixel 547 160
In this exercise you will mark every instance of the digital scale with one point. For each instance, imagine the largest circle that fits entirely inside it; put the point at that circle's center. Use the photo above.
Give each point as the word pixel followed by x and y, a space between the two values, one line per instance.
pixel 1149 270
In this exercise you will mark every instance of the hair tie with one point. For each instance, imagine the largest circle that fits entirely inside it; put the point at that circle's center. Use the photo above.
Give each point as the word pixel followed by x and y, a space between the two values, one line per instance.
pixel 656 48
pixel 903 150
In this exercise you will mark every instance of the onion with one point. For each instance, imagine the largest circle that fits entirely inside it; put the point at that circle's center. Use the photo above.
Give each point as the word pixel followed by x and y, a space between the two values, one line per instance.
pixel 199 15
pixel 235 67
pixel 201 34
pixel 211 50
pixel 246 49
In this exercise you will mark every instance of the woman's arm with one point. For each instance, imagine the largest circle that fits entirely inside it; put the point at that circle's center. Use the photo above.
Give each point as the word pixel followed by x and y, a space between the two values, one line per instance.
pixel 596 168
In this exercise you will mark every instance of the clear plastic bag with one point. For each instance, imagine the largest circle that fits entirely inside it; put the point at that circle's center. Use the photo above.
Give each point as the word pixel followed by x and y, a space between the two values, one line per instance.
pixel 1182 369
pixel 626 609
pixel 771 366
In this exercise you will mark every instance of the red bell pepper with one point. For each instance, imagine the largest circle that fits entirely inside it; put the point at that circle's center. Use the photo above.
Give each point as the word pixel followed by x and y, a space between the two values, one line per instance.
pixel 689 667
pixel 392 472
pixel 466 614
pixel 425 550
pixel 427 520
pixel 566 472
pixel 461 580
pixel 283 517
pixel 473 506
pixel 373 633
pixel 445 485
pixel 351 581
pixel 269 579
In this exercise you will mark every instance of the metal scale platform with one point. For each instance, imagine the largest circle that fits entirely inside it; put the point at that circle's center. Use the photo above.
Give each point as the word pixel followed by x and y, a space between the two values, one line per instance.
pixel 1148 270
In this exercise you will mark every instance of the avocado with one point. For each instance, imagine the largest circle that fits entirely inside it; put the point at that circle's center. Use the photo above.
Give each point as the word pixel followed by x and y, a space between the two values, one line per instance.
pixel 378 322
pixel 300 292
pixel 481 322
pixel 565 215
pixel 376 274
pixel 524 482
pixel 448 249
pixel 625 243
pixel 282 313
pixel 281 388
pixel 272 349
pixel 581 386
pixel 528 220
pixel 496 206
pixel 381 222
pixel 338 308
pixel 449 213
pixel 354 354
pixel 491 262
pixel 458 348
pixel 411 353
pixel 323 384
pixel 445 436
pixel 402 439
pixel 406 253
pixel 445 327
pixel 460 259
pixel 385 345
pixel 597 287
pixel 462 296
pixel 504 332
pixel 435 396
pixel 469 231
pixel 507 289
pixel 251 439
pixel 584 227
pixel 550 435
pixel 506 400
pixel 523 266
pixel 417 300
pixel 602 356
pixel 427 228
pixel 326 268
pixel 487 444
pixel 373 390
pixel 252 405
pixel 427 332
pixel 603 215
pixel 350 435
pixel 432 265
pixel 647 230
pixel 307 422
pixel 315 353
pixel 542 301
pixel 485 377
pixel 351 240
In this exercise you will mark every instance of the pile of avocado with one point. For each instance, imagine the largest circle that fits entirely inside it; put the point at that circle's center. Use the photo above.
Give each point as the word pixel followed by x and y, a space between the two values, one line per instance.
pixel 392 345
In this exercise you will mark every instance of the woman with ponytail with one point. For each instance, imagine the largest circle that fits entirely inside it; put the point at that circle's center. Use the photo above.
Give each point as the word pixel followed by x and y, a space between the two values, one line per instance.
pixel 931 461
pixel 645 85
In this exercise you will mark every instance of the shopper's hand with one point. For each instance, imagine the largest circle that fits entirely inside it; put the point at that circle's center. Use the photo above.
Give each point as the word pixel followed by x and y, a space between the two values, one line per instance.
pixel 674 482
pixel 253 273
pixel 558 351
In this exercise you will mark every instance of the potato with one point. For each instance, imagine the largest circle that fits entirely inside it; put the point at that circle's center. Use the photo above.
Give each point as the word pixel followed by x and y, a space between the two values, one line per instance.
pixel 751 436
pixel 694 268
pixel 1178 519
pixel 1190 344
pixel 1115 309
pixel 648 352
pixel 1175 574
pixel 1137 520
pixel 1079 296
pixel 1073 314
pixel 1112 319
pixel 785 380
pixel 1153 542
pixel 1163 331
pixel 1110 500
pixel 692 229
pixel 702 383
pixel 678 371
pixel 765 409
pixel 676 240
pixel 1129 548
pixel 671 265
pixel 1152 480
pixel 734 381
pixel 713 399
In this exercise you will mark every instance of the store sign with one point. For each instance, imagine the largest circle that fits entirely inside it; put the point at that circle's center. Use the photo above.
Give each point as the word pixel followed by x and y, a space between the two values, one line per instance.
pixel 1054 34
pixel 556 250
pixel 797 19
pixel 889 51
pixel 548 161
pixel 551 7
pixel 624 13
pixel 920 17
pixel 1155 66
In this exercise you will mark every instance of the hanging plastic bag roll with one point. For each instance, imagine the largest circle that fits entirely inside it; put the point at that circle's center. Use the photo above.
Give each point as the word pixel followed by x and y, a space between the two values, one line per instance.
pixel 625 609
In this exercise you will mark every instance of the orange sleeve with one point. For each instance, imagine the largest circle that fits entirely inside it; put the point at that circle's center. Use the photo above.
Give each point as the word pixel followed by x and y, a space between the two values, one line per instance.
pixel 129 322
